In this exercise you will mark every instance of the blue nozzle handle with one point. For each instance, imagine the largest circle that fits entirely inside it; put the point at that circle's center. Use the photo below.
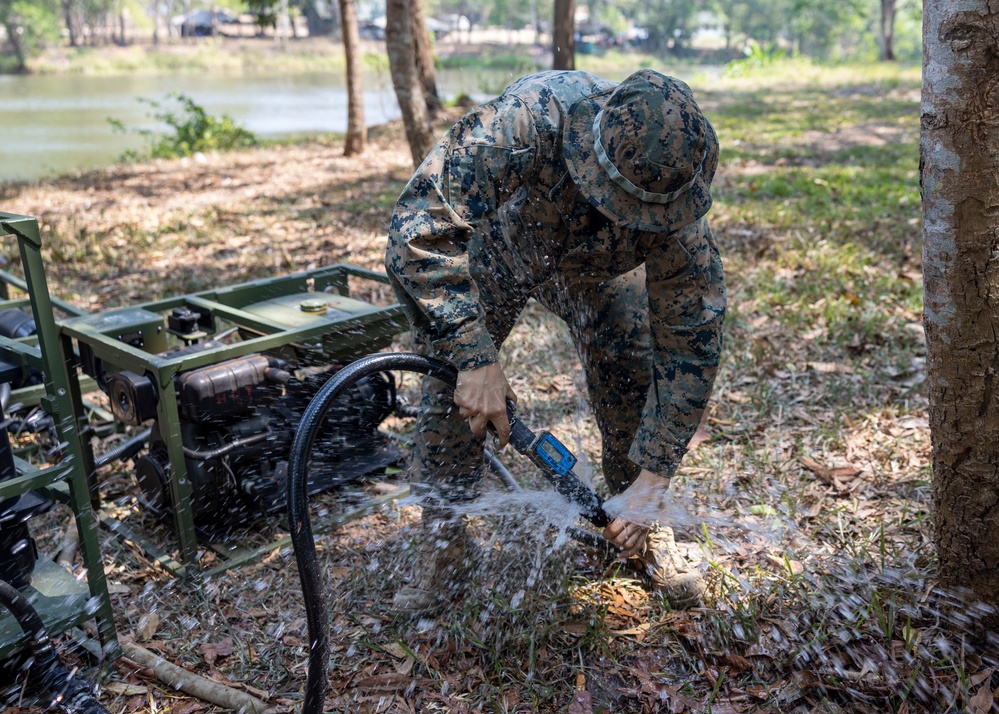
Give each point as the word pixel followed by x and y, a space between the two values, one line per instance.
pixel 569 485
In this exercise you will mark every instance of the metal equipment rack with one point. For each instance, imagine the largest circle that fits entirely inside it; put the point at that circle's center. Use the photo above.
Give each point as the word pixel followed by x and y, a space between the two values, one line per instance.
pixel 306 317
pixel 270 314
pixel 61 600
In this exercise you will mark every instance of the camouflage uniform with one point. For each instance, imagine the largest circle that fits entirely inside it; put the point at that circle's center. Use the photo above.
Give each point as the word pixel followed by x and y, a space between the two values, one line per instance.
pixel 516 202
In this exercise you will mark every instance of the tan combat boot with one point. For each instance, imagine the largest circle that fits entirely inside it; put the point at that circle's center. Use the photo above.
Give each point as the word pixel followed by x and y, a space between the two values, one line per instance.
pixel 669 572
pixel 445 555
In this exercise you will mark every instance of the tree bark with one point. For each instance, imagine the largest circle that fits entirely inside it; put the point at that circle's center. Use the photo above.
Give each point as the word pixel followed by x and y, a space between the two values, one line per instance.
pixel 405 80
pixel 357 130
pixel 15 42
pixel 69 15
pixel 563 35
pixel 887 30
pixel 959 158
pixel 425 59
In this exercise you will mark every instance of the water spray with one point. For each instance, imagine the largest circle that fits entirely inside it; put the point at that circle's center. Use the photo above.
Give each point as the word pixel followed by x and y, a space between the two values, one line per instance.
pixel 543 449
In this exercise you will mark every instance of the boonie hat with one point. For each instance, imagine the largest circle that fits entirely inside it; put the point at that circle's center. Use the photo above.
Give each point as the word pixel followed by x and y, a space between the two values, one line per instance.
pixel 643 153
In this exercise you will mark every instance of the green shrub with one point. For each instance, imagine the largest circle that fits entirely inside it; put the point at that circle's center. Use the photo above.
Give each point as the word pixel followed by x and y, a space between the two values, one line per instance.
pixel 194 130
pixel 757 57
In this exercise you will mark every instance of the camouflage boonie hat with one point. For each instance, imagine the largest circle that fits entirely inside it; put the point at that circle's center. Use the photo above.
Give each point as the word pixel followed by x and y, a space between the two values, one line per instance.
pixel 643 154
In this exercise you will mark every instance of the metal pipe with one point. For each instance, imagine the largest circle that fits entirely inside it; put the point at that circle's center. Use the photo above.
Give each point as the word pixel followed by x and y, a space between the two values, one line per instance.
pixel 225 448
pixel 123 450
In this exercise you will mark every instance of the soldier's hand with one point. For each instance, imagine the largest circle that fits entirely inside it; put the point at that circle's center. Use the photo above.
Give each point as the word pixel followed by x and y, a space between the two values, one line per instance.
pixel 629 537
pixel 643 501
pixel 481 395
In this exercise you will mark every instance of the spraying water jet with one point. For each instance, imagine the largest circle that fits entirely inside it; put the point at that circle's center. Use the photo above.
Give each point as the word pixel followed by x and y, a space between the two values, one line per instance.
pixel 543 449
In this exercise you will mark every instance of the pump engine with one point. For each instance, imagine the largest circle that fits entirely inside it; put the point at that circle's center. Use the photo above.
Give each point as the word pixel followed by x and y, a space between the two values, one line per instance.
pixel 237 420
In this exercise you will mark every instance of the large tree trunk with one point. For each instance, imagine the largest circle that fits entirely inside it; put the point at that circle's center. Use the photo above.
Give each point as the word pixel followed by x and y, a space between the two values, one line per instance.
pixel 959 152
pixel 357 130
pixel 405 80
pixel 425 58
pixel 887 30
pixel 563 35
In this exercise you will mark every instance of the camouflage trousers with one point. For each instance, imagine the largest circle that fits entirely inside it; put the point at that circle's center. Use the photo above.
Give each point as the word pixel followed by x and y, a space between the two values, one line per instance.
pixel 609 324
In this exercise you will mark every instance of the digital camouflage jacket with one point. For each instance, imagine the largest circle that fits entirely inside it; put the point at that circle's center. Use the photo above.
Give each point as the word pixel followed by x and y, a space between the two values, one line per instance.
pixel 495 196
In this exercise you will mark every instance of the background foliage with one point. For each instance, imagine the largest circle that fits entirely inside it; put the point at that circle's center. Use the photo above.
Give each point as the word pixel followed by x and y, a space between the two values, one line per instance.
pixel 820 29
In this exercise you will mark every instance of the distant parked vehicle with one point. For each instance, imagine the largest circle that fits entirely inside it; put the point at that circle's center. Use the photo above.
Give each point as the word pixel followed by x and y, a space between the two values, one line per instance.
pixel 202 23
pixel 374 29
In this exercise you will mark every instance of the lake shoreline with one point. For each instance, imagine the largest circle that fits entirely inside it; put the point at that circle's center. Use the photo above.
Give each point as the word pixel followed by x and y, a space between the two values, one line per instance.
pixel 237 55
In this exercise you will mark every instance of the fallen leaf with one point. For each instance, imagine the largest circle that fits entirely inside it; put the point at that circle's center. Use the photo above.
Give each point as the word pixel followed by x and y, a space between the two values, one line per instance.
pixel 582 703
pixel 829 367
pixel 395 649
pixel 914 423
pixel 575 628
pixel 980 677
pixel 212 651
pixel 981 703
pixel 147 626
pixel 838 477
pixel 737 663
pixel 638 632
pixel 784 563
pixel 126 690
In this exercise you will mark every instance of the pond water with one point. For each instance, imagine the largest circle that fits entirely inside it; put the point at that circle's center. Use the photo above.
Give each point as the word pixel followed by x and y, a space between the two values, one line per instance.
pixel 57 124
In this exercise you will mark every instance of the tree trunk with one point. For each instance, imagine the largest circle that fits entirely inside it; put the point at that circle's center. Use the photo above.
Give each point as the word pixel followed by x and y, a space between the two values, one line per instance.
pixel 425 59
pixel 405 80
pixel 563 35
pixel 887 30
pixel 15 42
pixel 357 130
pixel 69 15
pixel 154 11
pixel 959 158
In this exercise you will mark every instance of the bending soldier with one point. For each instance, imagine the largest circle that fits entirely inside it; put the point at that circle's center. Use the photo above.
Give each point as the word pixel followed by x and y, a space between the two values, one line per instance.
pixel 588 196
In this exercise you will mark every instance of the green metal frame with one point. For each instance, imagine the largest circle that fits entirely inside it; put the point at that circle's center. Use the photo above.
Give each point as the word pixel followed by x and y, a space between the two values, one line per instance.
pixel 58 348
pixel 61 601
pixel 356 334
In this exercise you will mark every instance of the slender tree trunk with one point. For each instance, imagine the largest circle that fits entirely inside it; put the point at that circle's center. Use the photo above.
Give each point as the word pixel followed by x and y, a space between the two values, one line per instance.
pixel 69 15
pixel 887 30
pixel 425 59
pixel 357 130
pixel 15 42
pixel 405 80
pixel 154 10
pixel 959 158
pixel 563 35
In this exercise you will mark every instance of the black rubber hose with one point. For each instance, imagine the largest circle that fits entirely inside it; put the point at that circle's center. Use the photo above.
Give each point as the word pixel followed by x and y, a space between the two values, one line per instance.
pixel 302 539
pixel 69 693
pixel 298 506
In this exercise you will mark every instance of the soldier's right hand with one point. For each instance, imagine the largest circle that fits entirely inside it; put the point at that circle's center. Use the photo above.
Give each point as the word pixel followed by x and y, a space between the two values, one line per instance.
pixel 481 395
